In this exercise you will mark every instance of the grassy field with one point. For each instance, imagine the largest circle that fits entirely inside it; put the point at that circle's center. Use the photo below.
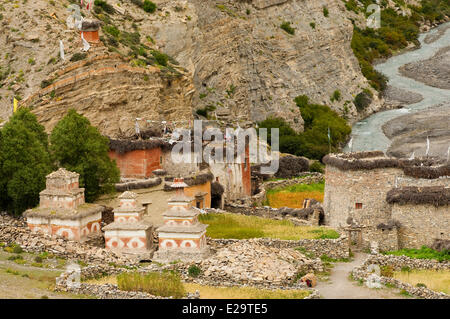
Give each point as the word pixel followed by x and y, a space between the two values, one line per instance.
pixel 210 292
pixel 438 280
pixel 159 284
pixel 293 196
pixel 237 226
pixel 422 253
pixel 24 278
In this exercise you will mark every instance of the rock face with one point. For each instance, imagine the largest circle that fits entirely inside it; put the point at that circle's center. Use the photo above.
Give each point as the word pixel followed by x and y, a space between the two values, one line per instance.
pixel 409 132
pixel 241 59
pixel 239 62
pixel 106 89
pixel 433 72
pixel 112 94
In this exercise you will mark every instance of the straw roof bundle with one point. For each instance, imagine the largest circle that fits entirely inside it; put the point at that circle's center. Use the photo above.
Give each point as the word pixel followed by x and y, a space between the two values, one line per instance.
pixel 429 168
pixel 433 195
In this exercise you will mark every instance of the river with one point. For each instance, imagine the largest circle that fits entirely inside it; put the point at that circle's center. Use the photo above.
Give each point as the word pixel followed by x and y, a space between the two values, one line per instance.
pixel 367 134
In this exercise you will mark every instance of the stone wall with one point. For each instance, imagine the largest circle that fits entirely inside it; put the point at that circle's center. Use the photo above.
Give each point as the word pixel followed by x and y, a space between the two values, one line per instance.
pixel 421 224
pixel 334 248
pixel 15 231
pixel 361 195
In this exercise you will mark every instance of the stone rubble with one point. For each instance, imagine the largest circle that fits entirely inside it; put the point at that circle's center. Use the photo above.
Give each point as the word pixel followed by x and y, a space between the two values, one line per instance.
pixel 14 230
pixel 249 262
pixel 333 248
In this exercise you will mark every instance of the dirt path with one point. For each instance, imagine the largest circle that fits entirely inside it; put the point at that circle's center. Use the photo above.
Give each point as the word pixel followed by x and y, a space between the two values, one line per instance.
pixel 340 286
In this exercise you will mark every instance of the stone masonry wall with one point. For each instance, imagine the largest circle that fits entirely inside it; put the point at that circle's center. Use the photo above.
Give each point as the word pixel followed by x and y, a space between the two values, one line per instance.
pixel 344 189
pixel 421 224
pixel 397 263
pixel 334 248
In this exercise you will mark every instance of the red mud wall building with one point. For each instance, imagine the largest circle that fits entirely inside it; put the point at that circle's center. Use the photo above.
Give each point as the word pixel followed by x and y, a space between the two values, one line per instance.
pixel 137 163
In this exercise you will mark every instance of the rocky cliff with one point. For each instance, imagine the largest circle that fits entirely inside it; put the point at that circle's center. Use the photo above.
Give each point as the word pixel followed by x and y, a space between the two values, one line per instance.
pixel 241 59
pixel 234 59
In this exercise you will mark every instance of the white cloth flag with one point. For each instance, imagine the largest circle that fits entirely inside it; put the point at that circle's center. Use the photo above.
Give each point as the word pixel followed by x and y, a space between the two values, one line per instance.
pixel 136 128
pixel 412 156
pixel 428 146
pixel 61 50
pixel 86 45
pixel 350 144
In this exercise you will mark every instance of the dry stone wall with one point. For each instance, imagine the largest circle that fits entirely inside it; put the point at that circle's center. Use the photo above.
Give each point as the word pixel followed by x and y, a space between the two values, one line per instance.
pixel 15 231
pixel 334 248
pixel 360 194
pixel 398 262
pixel 421 224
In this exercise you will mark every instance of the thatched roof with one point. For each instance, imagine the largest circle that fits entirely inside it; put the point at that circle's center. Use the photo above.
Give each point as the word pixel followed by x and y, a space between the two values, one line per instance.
pixel 391 224
pixel 291 166
pixel 433 195
pixel 217 188
pixel 151 182
pixel 128 145
pixel 90 25
pixel 429 168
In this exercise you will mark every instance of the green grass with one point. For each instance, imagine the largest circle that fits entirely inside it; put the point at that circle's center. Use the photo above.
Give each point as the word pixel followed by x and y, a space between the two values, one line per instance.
pixel 437 280
pixel 286 26
pixel 320 187
pixel 236 226
pixel 159 284
pixel 210 292
pixel 395 33
pixel 422 253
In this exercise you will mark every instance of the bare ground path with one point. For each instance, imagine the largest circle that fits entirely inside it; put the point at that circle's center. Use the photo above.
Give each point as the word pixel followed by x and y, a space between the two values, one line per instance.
pixel 340 286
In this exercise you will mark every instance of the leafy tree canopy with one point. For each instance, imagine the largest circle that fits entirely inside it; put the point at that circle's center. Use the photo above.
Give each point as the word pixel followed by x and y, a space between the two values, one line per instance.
pixel 313 141
pixel 24 162
pixel 78 146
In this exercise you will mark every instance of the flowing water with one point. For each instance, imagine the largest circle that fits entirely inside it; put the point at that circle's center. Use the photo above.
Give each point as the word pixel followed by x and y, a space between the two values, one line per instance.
pixel 367 134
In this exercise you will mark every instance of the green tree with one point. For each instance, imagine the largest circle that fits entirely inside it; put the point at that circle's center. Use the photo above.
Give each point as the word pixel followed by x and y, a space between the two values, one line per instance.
pixel 24 162
pixel 313 141
pixel 78 146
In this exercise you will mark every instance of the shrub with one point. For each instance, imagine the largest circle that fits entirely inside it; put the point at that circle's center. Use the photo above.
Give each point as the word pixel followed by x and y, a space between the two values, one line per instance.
pixel 164 284
pixel 15 257
pixel 38 259
pixel 286 26
pixel 194 271
pixel 336 96
pixel 312 25
pixel 160 58
pixel 105 6
pixel 17 249
pixel 362 100
pixel 78 56
pixel 313 141
pixel 395 33
pixel 149 6
pixel 112 30
pixel 325 11
pixel 421 285
pixel 316 167
pixel 46 83
pixel 78 146
pixel 387 271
